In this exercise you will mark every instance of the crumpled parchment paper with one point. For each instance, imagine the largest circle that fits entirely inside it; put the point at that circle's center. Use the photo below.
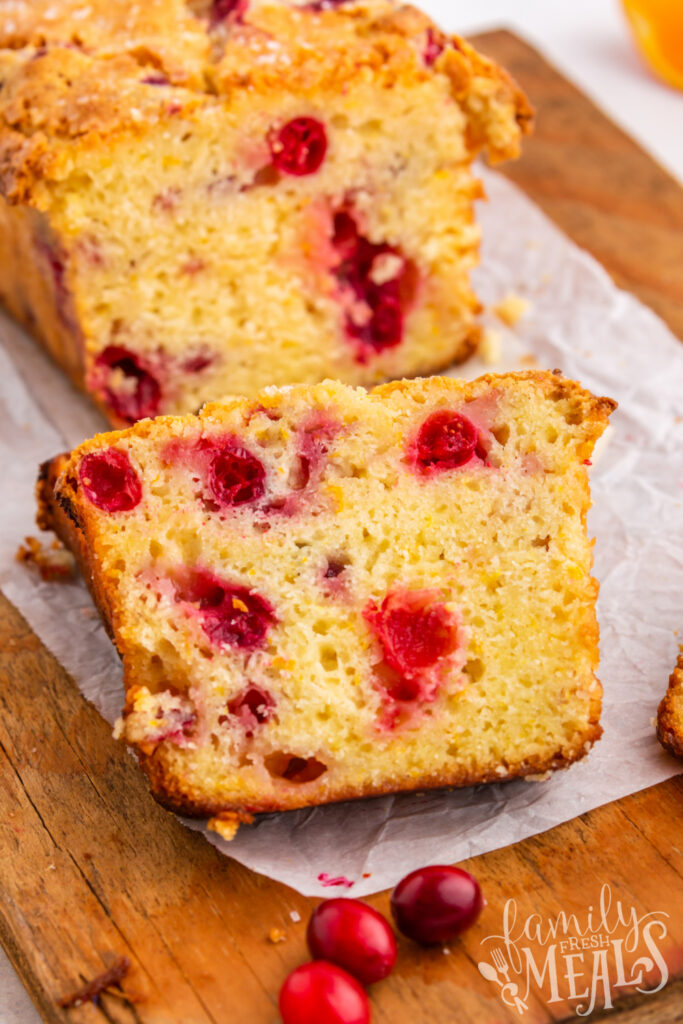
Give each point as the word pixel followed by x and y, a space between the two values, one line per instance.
pixel 579 322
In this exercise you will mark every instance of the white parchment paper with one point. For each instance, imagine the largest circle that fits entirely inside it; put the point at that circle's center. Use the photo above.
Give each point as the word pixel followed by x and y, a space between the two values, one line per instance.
pixel 579 322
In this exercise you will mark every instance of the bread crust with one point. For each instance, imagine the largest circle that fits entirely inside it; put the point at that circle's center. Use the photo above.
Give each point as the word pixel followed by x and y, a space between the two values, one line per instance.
pixel 71 84
pixel 62 509
pixel 670 713
pixel 168 791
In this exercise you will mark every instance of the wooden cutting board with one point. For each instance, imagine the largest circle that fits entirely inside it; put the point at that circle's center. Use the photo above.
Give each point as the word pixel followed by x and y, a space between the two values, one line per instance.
pixel 93 870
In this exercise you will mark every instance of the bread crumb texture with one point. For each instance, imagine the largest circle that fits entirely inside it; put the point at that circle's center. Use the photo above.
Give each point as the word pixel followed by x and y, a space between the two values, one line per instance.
pixel 199 199
pixel 321 593
pixel 52 561
pixel 670 714
pixel 511 309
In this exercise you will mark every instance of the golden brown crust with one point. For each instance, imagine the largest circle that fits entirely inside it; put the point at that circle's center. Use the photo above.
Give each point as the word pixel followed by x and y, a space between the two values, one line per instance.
pixel 168 790
pixel 57 511
pixel 591 410
pixel 670 713
pixel 73 83
pixel 36 289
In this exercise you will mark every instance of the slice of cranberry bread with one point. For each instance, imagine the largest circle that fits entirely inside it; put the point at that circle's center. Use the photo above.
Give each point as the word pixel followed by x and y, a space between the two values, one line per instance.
pixel 322 593
pixel 199 199
pixel 670 713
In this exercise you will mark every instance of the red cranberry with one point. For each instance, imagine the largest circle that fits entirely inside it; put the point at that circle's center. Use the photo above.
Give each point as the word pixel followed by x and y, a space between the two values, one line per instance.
pixel 321 993
pixel 299 147
pixel 228 10
pixel 232 616
pixel 446 441
pixel 328 881
pixel 197 363
pixel 436 904
pixel 346 237
pixel 325 5
pixel 354 936
pixel 252 708
pixel 139 395
pixel 386 325
pixel 415 633
pixel 433 48
pixel 57 262
pixel 109 480
pixel 156 78
pixel 385 304
pixel 174 726
pixel 315 436
pixel 236 477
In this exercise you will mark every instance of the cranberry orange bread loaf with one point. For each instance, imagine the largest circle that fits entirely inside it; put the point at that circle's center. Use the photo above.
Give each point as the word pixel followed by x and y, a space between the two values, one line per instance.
pixel 322 594
pixel 670 714
pixel 203 198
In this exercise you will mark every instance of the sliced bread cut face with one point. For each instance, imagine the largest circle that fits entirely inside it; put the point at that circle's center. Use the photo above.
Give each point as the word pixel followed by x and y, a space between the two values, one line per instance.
pixel 199 199
pixel 322 594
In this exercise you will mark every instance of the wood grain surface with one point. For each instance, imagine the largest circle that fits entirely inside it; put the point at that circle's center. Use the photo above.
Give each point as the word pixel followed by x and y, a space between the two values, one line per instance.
pixel 94 870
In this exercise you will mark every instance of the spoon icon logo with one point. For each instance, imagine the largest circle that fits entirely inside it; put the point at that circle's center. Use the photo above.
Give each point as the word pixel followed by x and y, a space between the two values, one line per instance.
pixel 500 975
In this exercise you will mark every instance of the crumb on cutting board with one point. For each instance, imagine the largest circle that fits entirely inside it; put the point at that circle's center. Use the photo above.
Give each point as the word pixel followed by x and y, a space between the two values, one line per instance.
pixel 511 308
pixel 54 563
pixel 276 935
pixel 227 823
pixel 490 346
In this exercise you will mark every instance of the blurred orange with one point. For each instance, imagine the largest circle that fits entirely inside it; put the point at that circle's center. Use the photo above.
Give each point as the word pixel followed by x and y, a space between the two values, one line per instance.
pixel 658 28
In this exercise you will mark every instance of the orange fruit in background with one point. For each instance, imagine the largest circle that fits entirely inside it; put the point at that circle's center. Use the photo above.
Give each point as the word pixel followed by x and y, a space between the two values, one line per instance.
pixel 658 29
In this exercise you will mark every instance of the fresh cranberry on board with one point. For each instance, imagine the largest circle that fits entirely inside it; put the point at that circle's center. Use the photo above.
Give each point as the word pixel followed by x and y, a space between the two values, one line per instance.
pixel 321 993
pixel 352 935
pixel 436 904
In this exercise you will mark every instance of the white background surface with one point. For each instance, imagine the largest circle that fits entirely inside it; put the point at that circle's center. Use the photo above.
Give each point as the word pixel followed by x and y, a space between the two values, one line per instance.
pixel 589 42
